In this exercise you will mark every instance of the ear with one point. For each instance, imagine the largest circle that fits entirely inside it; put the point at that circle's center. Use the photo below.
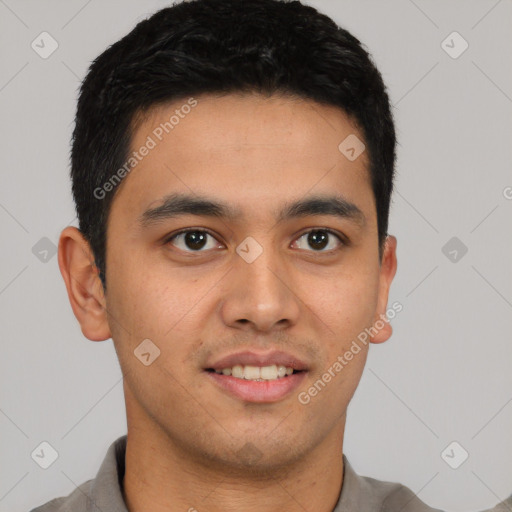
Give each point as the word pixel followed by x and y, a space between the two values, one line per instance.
pixel 84 286
pixel 387 273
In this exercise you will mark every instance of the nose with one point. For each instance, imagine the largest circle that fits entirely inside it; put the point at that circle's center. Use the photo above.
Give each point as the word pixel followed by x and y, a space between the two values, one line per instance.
pixel 260 295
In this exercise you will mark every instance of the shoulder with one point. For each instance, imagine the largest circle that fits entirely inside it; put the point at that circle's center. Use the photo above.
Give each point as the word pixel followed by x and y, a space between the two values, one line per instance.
pixel 102 493
pixel 400 497
pixel 393 496
pixel 76 501
pixel 503 506
pixel 368 493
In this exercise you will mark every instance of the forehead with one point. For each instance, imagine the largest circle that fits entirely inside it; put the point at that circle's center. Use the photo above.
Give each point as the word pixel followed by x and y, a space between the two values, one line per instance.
pixel 245 148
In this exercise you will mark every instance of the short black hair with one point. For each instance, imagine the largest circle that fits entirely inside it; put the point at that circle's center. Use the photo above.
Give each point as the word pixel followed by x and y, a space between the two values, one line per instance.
pixel 222 46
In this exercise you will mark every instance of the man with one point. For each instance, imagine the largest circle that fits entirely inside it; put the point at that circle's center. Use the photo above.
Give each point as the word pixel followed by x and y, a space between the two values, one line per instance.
pixel 232 167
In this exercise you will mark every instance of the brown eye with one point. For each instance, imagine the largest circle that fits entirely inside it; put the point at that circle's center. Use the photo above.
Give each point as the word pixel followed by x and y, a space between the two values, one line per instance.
pixel 320 240
pixel 193 240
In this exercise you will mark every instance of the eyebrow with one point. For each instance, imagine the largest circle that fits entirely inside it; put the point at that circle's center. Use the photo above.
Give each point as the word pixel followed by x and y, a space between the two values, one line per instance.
pixel 178 204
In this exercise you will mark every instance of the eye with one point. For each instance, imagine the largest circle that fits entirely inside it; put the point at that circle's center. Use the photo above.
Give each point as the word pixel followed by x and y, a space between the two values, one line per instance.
pixel 321 240
pixel 193 240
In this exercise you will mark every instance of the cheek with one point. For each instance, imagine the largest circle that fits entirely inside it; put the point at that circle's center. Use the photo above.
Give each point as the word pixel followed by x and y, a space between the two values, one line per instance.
pixel 146 293
pixel 163 305
pixel 347 307
pixel 345 301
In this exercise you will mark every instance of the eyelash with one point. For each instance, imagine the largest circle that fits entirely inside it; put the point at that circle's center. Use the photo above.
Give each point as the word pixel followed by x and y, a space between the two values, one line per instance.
pixel 342 239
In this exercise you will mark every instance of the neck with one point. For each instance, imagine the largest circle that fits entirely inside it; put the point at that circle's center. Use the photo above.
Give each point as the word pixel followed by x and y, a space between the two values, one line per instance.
pixel 159 477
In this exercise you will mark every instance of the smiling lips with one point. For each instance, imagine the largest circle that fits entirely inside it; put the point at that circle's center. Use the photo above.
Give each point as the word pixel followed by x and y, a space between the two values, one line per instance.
pixel 257 377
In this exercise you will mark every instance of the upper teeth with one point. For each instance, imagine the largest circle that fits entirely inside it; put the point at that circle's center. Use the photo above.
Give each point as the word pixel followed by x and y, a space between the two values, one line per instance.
pixel 257 372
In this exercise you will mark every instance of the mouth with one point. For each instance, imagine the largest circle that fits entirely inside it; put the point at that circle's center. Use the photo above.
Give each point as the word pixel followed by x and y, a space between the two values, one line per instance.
pixel 258 378
pixel 256 373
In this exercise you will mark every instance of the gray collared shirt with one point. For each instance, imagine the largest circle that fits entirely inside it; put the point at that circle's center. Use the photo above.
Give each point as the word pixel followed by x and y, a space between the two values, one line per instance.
pixel 358 493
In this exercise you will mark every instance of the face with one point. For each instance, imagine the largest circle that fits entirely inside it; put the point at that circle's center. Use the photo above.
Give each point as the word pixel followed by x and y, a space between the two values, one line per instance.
pixel 253 280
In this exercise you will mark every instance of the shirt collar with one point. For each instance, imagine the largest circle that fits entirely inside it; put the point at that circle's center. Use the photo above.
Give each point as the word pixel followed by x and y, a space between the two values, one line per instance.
pixel 106 493
pixel 355 493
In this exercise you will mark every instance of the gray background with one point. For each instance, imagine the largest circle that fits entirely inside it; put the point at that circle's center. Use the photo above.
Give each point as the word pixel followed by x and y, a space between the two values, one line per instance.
pixel 446 373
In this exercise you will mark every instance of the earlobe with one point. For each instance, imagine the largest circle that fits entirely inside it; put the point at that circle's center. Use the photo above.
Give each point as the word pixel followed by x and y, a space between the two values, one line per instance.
pixel 382 329
pixel 84 287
